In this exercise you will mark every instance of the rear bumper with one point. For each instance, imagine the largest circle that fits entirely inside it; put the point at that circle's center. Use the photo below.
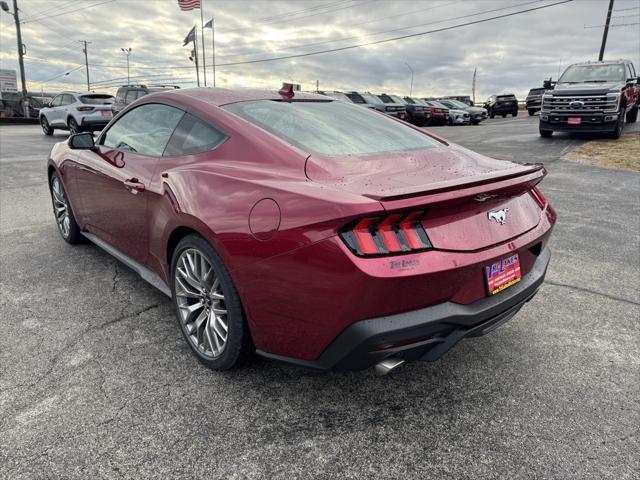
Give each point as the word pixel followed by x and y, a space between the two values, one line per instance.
pixel 98 122
pixel 424 334
pixel 589 123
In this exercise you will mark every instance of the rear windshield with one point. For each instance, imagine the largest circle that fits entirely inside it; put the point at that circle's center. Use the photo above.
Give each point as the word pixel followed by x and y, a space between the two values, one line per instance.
pixel 536 91
pixel 386 98
pixel 332 128
pixel 97 99
pixel 506 97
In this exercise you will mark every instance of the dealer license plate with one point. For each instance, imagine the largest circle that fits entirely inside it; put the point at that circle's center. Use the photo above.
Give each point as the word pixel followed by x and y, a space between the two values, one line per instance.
pixel 502 274
pixel 574 120
pixel 106 113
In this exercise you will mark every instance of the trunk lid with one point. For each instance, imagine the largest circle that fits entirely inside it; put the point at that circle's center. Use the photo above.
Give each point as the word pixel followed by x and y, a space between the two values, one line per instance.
pixel 456 188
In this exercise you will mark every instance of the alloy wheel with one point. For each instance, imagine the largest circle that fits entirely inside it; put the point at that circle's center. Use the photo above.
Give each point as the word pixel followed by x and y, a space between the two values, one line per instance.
pixel 45 125
pixel 60 207
pixel 73 127
pixel 201 303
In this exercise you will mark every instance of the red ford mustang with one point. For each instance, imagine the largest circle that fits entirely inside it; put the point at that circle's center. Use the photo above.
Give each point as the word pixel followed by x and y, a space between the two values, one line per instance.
pixel 304 228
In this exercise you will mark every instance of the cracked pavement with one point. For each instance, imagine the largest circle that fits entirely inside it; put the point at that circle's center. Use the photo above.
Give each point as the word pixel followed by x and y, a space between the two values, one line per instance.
pixel 96 380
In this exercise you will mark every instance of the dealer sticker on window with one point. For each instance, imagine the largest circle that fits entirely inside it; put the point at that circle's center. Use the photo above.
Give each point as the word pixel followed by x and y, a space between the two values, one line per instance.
pixel 503 274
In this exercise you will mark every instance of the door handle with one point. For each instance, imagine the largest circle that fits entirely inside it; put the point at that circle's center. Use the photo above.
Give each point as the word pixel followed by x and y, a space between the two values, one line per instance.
pixel 134 185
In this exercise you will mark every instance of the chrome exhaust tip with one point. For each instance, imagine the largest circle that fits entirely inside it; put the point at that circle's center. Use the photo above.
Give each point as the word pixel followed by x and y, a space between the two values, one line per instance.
pixel 387 365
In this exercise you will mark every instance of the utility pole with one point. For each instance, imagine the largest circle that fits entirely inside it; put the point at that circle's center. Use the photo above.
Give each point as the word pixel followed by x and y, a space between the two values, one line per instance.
pixel 606 30
pixel 411 88
pixel 127 52
pixel 86 63
pixel 21 53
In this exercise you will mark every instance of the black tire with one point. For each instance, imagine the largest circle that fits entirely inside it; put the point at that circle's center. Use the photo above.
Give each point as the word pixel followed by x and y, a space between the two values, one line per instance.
pixel 71 232
pixel 532 112
pixel 632 115
pixel 504 115
pixel 546 133
pixel 46 128
pixel 515 114
pixel 73 126
pixel 238 347
pixel 617 133
pixel 492 115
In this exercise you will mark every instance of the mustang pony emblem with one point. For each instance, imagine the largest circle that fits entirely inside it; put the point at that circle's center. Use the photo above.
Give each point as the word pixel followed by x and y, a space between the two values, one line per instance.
pixel 499 216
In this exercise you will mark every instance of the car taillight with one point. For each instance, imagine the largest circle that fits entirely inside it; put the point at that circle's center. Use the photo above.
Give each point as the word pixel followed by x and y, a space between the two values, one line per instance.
pixel 395 233
pixel 84 109
pixel 539 198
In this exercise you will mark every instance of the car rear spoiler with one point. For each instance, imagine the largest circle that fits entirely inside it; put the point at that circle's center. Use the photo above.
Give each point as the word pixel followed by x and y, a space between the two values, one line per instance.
pixel 523 177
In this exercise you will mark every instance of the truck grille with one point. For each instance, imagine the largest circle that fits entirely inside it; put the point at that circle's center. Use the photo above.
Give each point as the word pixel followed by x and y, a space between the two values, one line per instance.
pixel 580 104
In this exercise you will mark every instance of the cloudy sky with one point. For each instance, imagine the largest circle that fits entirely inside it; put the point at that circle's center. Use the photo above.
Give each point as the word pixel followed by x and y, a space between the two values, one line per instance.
pixel 511 54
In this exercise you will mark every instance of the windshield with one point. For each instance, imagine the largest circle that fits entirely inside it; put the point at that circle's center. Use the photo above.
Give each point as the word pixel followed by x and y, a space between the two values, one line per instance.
pixel 456 104
pixel 593 73
pixel 371 99
pixel 355 98
pixel 332 128
pixel 536 91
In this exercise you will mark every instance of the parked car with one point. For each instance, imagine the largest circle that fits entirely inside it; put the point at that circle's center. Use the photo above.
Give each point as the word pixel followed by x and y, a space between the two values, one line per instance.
pixel 592 97
pixel 417 114
pixel 371 101
pixel 466 99
pixel 76 112
pixel 439 113
pixel 506 104
pixel 476 114
pixel 130 93
pixel 534 100
pixel 313 232
pixel 337 96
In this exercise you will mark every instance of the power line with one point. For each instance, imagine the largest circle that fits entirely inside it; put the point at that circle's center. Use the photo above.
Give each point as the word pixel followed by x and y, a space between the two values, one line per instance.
pixel 280 20
pixel 317 7
pixel 69 11
pixel 377 42
pixel 435 22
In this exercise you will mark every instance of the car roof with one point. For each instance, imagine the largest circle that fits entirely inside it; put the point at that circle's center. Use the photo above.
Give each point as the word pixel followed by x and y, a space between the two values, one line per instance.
pixel 601 62
pixel 224 96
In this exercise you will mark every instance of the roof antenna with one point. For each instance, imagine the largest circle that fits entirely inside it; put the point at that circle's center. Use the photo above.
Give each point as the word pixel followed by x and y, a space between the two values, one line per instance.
pixel 287 90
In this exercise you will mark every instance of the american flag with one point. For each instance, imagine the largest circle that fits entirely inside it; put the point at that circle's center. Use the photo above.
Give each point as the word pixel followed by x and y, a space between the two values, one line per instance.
pixel 189 4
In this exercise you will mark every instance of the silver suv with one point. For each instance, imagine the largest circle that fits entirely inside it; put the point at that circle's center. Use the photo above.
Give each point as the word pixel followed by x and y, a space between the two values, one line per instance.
pixel 76 112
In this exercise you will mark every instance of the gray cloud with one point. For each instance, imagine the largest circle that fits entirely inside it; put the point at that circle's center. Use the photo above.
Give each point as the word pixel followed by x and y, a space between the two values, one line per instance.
pixel 511 54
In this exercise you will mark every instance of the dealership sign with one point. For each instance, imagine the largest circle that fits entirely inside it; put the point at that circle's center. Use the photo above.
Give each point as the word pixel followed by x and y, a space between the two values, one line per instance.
pixel 8 81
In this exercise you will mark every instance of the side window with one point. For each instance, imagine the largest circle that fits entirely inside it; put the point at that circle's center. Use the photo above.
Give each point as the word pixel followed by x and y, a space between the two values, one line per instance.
pixel 120 95
pixel 145 129
pixel 56 102
pixel 131 96
pixel 67 99
pixel 193 136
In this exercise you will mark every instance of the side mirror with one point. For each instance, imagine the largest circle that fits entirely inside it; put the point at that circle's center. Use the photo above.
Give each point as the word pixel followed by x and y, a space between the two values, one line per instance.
pixel 82 141
pixel 547 83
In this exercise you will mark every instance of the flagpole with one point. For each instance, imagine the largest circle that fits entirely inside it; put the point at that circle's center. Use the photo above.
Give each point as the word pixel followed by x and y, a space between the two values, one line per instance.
pixel 204 55
pixel 213 48
pixel 195 50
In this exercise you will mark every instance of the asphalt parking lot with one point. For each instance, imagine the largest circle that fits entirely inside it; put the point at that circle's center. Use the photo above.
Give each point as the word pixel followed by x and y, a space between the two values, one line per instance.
pixel 96 380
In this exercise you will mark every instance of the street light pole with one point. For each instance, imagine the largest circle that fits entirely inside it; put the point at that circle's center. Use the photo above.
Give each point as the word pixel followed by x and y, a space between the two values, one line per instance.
pixel 411 88
pixel 127 52
pixel 21 52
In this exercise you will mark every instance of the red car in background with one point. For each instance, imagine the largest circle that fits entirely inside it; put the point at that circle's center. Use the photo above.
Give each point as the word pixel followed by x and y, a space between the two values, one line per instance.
pixel 305 228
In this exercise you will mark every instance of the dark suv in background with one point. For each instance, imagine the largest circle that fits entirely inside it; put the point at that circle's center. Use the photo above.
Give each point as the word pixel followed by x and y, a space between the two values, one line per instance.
pixel 505 104
pixel 534 99
pixel 417 114
pixel 130 93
